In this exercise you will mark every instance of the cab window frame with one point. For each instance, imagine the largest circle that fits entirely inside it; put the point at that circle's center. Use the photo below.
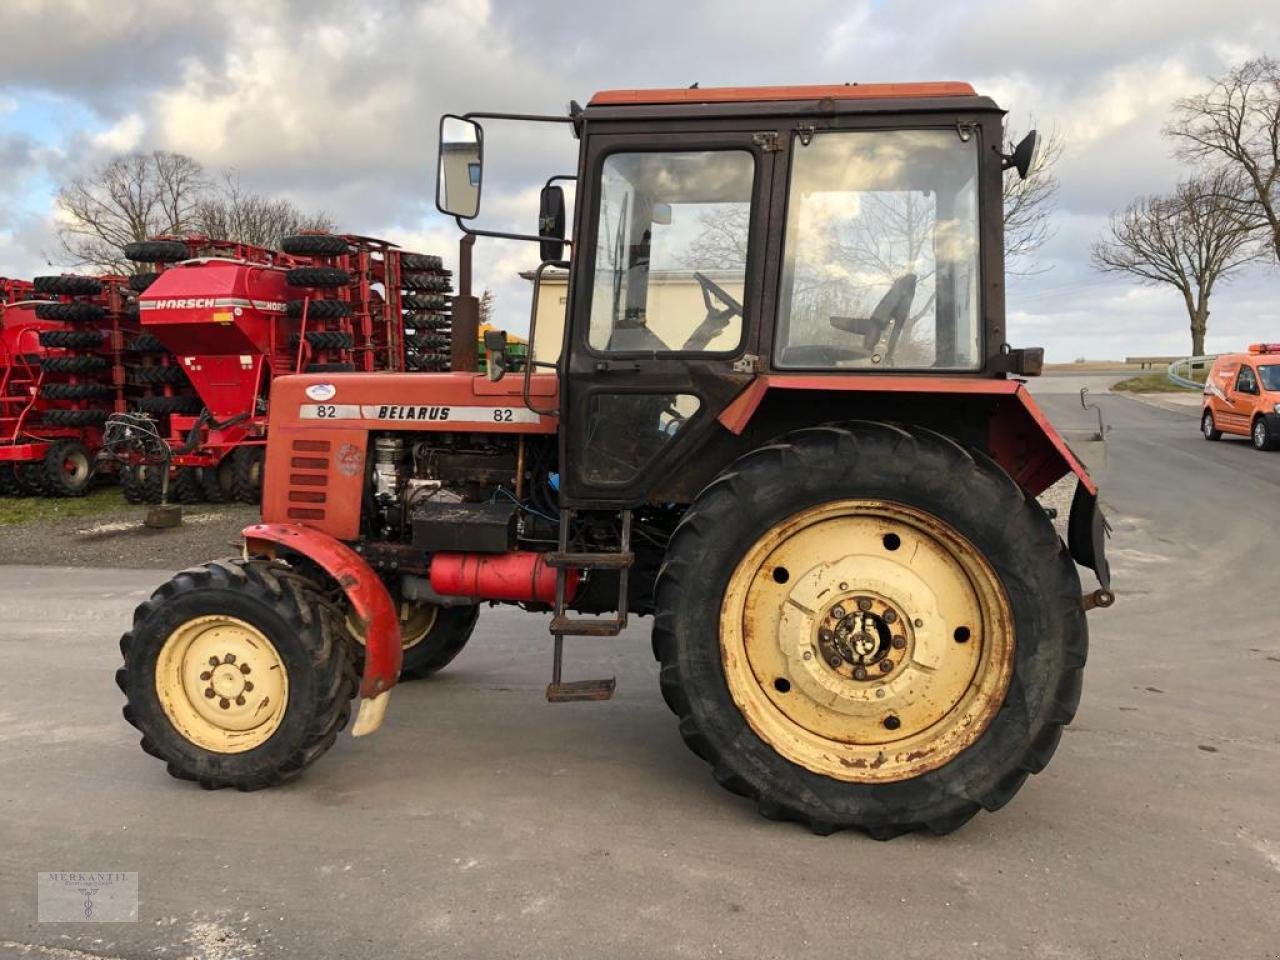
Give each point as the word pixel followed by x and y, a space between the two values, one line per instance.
pixel 1253 376
pixel 709 141
pixel 988 341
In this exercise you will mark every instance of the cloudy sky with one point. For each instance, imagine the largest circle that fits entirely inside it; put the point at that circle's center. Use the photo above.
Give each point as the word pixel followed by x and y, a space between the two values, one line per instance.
pixel 335 105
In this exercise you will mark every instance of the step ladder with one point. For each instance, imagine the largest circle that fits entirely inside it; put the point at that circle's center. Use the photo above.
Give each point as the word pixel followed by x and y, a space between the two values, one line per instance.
pixel 562 625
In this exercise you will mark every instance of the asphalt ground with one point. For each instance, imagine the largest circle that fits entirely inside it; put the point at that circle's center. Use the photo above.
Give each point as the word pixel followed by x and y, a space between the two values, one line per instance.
pixel 482 821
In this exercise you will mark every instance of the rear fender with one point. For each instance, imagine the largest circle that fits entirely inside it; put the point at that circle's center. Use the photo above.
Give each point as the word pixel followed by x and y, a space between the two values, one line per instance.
pixel 374 609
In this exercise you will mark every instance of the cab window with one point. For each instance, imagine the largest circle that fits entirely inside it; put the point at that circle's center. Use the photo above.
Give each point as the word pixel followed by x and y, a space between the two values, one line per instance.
pixel 1246 382
pixel 1269 374
pixel 671 251
pixel 880 265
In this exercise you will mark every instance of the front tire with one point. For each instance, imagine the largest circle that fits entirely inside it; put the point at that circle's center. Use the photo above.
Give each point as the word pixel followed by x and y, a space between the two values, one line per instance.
pixel 859 545
pixel 431 636
pixel 237 674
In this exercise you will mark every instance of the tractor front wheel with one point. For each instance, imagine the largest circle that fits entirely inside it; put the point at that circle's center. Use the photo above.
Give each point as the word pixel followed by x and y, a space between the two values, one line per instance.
pixel 237 674
pixel 431 636
pixel 867 626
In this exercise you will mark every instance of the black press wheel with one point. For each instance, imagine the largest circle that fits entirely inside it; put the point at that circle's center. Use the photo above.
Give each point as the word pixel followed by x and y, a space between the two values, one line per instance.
pixel 9 486
pixel 1262 435
pixel 31 478
pixel 1208 428
pixel 68 469
pixel 156 251
pixel 319 277
pixel 141 483
pixel 237 674
pixel 891 647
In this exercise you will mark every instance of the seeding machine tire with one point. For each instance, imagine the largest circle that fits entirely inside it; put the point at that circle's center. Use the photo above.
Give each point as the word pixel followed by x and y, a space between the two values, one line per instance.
pixel 215 482
pixel 330 368
pixel 251 620
pixel 184 486
pixel 77 391
pixel 428 321
pixel 73 364
pixel 74 418
pixel 319 277
pixel 325 340
pixel 145 343
pixel 164 374
pixel 427 341
pixel 425 281
pixel 68 468
pixel 141 483
pixel 68 284
pixel 183 403
pixel 71 312
pixel 140 281
pixel 74 339
pixel 246 473
pixel 320 309
pixel 421 263
pixel 9 486
pixel 425 301
pixel 157 251
pixel 31 478
pixel 315 245
pixel 981 587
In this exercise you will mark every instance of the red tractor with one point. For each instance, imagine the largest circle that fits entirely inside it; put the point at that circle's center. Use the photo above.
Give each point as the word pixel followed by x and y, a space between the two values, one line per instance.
pixel 225 319
pixel 785 422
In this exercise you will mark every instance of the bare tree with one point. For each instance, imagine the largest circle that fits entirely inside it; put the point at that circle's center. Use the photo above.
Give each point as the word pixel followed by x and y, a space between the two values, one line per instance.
pixel 127 199
pixel 1237 124
pixel 1029 203
pixel 1191 240
pixel 230 212
pixel 486 307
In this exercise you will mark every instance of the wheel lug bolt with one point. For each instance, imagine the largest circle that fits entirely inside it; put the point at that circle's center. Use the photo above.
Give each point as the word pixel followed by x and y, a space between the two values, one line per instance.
pixel 209 694
pixel 890 616
pixel 834 661
pixel 244 668
pixel 919 623
pixel 844 586
pixel 248 686
pixel 891 722
pixel 864 604
pixel 886 666
pixel 214 661
pixel 808 655
pixel 229 658
pixel 240 701
pixel 224 703
pixel 206 675
pixel 838 613
pixel 899 642
pixel 860 673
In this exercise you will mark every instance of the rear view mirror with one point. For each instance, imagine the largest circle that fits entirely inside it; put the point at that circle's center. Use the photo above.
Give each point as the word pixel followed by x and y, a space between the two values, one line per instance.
pixel 459 173
pixel 1023 158
pixel 661 214
pixel 551 223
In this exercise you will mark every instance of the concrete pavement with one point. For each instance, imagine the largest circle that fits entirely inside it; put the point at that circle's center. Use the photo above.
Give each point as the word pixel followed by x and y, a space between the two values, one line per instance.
pixel 484 822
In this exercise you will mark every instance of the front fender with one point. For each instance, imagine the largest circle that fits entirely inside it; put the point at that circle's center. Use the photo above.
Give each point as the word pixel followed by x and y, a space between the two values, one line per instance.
pixel 373 606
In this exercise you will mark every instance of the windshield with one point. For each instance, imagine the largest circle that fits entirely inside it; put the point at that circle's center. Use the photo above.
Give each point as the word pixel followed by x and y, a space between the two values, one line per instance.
pixel 670 257
pixel 881 260
pixel 1270 376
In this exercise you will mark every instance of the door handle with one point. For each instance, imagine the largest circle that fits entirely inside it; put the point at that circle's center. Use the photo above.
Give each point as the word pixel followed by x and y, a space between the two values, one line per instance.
pixel 614 366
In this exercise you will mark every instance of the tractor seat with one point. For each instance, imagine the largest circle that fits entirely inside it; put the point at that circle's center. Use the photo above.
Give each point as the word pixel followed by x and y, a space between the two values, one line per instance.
pixel 892 309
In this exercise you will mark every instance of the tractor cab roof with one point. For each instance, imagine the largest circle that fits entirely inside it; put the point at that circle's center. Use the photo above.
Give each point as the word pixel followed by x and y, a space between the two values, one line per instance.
pixel 948 96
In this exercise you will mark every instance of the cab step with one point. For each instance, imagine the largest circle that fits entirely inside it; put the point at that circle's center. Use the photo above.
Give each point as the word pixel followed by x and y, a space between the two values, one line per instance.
pixel 575 690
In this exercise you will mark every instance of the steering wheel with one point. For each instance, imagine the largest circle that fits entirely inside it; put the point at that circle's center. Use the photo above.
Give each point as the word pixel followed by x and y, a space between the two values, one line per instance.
pixel 717 318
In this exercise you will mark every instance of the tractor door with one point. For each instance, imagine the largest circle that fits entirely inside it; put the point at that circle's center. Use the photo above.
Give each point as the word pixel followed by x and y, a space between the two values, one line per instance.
pixel 668 280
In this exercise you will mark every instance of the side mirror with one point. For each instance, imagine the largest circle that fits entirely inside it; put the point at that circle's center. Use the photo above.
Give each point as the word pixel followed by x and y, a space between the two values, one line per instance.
pixel 460 170
pixel 1023 158
pixel 551 222
pixel 495 354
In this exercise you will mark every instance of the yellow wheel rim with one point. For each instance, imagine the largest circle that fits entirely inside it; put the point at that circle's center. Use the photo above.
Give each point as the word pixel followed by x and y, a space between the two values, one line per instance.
pixel 416 622
pixel 867 641
pixel 222 684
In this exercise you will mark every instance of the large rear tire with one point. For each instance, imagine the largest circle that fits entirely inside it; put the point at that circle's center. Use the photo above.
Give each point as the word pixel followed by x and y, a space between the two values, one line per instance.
pixel 867 626
pixel 237 674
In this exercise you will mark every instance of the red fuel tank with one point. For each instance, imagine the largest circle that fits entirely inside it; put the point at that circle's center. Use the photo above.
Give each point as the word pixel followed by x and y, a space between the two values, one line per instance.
pixel 521 575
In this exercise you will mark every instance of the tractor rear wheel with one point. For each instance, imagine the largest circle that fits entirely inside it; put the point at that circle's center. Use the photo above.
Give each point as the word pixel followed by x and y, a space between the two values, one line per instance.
pixel 431 636
pixel 867 626
pixel 68 469
pixel 237 674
